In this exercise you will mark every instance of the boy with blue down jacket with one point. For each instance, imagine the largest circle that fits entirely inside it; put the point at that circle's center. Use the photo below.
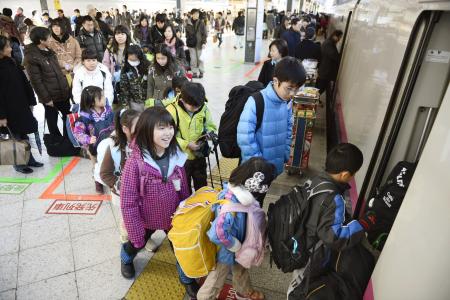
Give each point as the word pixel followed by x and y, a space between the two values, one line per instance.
pixel 272 140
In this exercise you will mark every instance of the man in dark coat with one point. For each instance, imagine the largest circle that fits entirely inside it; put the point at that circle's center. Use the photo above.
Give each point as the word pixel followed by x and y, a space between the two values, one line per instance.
pixel 292 36
pixel 104 28
pixel 91 38
pixel 196 40
pixel 157 30
pixel 47 79
pixel 308 49
pixel 64 21
pixel 16 102
pixel 329 65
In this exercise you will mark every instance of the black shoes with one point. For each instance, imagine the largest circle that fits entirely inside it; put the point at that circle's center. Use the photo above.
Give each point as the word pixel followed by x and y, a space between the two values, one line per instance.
pixel 33 163
pixel 192 289
pixel 127 270
pixel 23 169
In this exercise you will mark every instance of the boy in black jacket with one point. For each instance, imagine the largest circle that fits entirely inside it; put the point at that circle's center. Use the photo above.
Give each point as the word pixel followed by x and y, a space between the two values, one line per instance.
pixel 329 226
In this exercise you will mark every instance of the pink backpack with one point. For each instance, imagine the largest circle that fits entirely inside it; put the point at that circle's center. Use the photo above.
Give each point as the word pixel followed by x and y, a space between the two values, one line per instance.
pixel 252 249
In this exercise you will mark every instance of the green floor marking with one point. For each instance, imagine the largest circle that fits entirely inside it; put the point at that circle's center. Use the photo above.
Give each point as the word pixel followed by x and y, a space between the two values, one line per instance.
pixel 56 169
pixel 13 188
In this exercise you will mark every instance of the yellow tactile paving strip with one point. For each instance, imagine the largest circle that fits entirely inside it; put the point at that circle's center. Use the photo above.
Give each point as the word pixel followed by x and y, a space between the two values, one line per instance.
pixel 159 280
pixel 227 165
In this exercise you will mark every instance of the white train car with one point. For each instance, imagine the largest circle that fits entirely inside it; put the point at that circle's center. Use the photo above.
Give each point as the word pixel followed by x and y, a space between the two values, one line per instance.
pixel 392 99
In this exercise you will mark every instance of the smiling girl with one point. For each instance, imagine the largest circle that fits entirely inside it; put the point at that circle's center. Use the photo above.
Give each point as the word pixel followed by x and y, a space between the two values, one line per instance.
pixel 153 182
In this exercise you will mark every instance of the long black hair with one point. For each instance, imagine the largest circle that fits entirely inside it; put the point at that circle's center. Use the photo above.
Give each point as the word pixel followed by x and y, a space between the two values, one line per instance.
pixel 125 118
pixel 145 127
pixel 144 63
pixel 171 63
pixel 117 30
pixel 88 96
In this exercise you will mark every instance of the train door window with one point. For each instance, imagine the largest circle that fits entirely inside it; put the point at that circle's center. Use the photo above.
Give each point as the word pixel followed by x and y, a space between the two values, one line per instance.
pixel 414 122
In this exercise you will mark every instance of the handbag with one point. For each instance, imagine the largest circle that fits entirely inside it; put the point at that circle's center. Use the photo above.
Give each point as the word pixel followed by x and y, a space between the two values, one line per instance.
pixel 59 146
pixel 13 151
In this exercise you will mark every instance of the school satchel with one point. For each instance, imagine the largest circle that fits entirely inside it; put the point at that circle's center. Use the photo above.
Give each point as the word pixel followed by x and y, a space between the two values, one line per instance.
pixel 13 151
pixel 230 118
pixel 251 252
pixel 287 220
pixel 195 253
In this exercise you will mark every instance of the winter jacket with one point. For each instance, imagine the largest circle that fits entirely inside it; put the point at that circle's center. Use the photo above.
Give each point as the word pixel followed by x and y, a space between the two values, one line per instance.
pixel 199 30
pixel 158 83
pixel 308 49
pixel 330 60
pixel 279 30
pixel 7 25
pixel 239 25
pixel 292 38
pixel 179 54
pixel 156 35
pixel 125 19
pixel 228 229
pixel 133 86
pixel 111 61
pixel 266 74
pixel 16 97
pixel 96 42
pixel 105 30
pixel 272 140
pixel 330 222
pixel 147 202
pixel 67 51
pixel 46 77
pixel 18 21
pixel 65 25
pixel 270 21
pixel 112 162
pixel 99 77
pixel 143 38
pixel 190 129
pixel 84 127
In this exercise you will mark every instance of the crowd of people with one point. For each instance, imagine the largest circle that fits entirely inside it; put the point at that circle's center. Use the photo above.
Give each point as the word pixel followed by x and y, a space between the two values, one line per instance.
pixel 146 125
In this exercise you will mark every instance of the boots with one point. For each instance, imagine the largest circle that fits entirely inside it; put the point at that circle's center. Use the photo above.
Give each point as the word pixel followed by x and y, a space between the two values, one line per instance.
pixel 127 266
pixel 192 289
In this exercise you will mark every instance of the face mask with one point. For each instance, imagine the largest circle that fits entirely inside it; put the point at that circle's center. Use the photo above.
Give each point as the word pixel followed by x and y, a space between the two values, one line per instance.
pixel 134 63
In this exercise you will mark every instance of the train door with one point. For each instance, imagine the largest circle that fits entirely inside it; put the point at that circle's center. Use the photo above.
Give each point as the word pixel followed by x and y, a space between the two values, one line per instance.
pixel 417 130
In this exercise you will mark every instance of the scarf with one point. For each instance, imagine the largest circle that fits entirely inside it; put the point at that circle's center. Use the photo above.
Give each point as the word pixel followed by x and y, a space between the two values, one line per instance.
pixel 61 40
pixel 171 46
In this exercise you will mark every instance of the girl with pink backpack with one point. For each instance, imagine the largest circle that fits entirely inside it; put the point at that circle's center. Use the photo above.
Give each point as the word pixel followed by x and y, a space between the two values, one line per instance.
pixel 235 230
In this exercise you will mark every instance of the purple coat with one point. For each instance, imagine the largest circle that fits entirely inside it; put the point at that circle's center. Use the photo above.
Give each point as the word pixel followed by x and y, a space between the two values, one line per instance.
pixel 146 201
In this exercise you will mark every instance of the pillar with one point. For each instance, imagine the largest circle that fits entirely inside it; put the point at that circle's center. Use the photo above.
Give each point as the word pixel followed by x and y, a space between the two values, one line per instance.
pixel 289 6
pixel 44 5
pixel 253 30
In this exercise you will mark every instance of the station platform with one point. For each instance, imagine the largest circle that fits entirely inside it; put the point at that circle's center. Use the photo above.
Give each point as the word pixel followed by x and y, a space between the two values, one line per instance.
pixel 60 240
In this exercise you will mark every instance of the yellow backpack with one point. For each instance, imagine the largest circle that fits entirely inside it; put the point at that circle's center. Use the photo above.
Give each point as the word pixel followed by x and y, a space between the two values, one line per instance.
pixel 195 253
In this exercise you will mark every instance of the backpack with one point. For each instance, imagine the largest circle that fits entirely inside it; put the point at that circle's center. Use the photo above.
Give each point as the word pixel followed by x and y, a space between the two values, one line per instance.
pixel 195 253
pixel 287 220
pixel 388 200
pixel 251 252
pixel 102 129
pixel 230 118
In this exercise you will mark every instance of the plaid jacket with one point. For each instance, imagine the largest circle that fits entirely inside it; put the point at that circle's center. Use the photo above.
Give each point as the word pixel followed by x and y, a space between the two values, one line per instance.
pixel 147 202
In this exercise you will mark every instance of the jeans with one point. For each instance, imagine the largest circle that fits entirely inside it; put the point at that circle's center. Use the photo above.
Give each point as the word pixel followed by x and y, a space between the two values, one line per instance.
pixel 239 41
pixel 197 65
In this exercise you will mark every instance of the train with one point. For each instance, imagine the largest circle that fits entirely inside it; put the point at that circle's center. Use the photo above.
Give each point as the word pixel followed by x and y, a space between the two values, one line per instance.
pixel 392 99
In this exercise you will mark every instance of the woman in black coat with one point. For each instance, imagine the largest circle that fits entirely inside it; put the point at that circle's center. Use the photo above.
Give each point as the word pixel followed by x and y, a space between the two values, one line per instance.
pixel 16 102
pixel 277 50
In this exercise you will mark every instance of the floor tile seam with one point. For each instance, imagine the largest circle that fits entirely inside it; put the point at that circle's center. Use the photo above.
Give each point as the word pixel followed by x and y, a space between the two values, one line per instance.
pixel 11 289
pixel 46 244
pixel 45 216
pixel 73 257
pixel 44 279
pixel 86 233
pixel 19 248
pixel 97 264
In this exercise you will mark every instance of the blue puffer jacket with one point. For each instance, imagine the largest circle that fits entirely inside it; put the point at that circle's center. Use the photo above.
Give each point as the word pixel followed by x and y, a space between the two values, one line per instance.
pixel 228 229
pixel 273 139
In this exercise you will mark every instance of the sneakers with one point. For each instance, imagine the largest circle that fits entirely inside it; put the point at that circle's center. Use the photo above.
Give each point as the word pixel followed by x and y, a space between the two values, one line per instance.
pixel 151 246
pixel 192 289
pixel 99 188
pixel 127 270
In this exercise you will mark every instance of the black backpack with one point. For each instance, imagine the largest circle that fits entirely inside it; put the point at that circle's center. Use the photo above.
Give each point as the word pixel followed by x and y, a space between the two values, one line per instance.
pixel 388 200
pixel 230 118
pixel 287 225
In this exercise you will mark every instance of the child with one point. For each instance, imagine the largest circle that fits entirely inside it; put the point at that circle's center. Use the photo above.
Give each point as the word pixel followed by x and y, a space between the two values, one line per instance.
pixel 170 94
pixel 92 73
pixel 153 184
pixel 133 78
pixel 115 155
pixel 94 123
pixel 327 226
pixel 194 122
pixel 273 139
pixel 165 67
pixel 228 229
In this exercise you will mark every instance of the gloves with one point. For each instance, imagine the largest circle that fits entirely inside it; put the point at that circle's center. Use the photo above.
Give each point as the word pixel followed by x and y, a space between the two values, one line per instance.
pixel 368 221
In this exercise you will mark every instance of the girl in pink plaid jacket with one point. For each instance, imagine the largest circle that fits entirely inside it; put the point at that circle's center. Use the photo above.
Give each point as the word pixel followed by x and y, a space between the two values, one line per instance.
pixel 153 183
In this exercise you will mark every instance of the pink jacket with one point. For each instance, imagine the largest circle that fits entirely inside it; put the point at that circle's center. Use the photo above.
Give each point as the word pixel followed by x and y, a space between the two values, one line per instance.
pixel 146 201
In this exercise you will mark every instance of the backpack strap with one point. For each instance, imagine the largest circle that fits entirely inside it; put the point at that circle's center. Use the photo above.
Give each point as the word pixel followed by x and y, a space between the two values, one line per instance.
pixel 259 102
pixel 177 118
pixel 104 78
